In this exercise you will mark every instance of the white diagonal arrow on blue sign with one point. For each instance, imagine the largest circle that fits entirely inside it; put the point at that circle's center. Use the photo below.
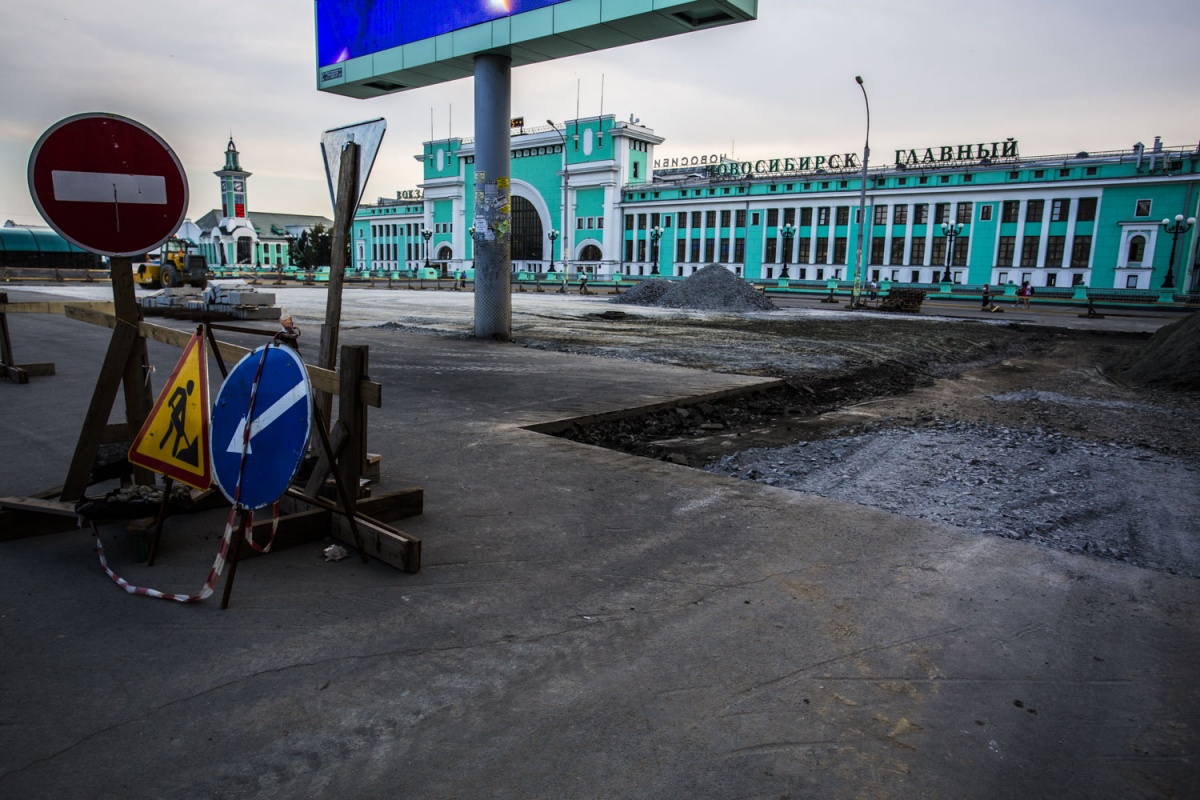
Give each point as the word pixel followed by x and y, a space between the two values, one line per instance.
pixel 277 409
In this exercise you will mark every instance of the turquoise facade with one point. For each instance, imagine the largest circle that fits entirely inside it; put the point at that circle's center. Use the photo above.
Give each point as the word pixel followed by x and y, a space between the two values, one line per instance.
pixel 1088 219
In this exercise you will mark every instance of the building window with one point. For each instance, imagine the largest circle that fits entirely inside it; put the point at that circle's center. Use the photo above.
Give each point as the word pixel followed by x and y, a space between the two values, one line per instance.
pixel 918 253
pixel 962 246
pixel 710 219
pixel 1029 251
pixel 695 219
pixel 629 249
pixel 1137 250
pixel 694 251
pixel 897 251
pixel 1055 247
pixel 708 250
pixel 822 250
pixel 725 219
pixel 1006 251
pixel 1010 211
pixel 881 215
pixel 985 213
pixel 739 250
pixel 921 214
pixel 839 250
pixel 772 217
pixel 754 218
pixel 789 215
pixel 772 251
pixel 655 220
pixel 899 215
pixel 804 251
pixel 1081 250
pixel 940 212
pixel 1131 281
pixel 965 210
pixel 877 245
pixel 805 217
pixel 1086 209
pixel 740 218
pixel 641 250
pixel 843 215
pixel 823 215
pixel 937 253
pixel 680 249
pixel 1034 210
pixel 1060 210
pixel 628 222
pixel 1143 208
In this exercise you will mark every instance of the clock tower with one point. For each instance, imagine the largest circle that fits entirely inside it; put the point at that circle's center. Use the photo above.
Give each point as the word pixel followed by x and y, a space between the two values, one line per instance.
pixel 233 185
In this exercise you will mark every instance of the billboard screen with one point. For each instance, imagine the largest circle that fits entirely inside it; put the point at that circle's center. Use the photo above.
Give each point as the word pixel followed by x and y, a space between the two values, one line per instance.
pixel 351 28
pixel 367 48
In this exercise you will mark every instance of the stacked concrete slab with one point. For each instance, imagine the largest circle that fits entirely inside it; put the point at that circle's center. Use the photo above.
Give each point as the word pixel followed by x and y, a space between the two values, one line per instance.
pixel 234 301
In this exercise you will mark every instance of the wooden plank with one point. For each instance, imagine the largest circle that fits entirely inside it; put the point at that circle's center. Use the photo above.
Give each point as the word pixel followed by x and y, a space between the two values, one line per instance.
pixel 54 507
pixel 37 370
pixel 322 379
pixel 390 545
pixel 54 307
pixel 392 506
pixel 301 528
pixel 337 439
pixel 16 524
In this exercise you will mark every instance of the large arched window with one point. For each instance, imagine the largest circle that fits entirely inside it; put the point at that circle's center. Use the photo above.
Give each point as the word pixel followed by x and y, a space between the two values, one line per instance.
pixel 527 236
pixel 590 253
pixel 445 253
pixel 1137 249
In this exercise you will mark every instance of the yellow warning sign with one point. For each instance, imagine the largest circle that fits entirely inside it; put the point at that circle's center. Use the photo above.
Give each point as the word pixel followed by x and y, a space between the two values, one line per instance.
pixel 174 440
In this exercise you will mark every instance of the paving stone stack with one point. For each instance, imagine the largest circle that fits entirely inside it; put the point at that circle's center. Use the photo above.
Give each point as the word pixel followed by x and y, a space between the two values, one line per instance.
pixel 230 301
pixel 907 301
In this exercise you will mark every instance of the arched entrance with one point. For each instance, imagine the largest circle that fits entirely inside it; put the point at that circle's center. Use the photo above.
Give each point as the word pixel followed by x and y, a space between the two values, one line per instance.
pixel 445 253
pixel 527 235
pixel 590 253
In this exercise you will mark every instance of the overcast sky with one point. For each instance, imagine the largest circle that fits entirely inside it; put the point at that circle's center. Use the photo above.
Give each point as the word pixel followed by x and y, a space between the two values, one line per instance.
pixel 1058 75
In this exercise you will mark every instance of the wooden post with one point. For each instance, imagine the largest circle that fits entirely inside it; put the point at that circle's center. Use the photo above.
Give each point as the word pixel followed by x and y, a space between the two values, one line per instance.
pixel 352 412
pixel 343 219
pixel 125 361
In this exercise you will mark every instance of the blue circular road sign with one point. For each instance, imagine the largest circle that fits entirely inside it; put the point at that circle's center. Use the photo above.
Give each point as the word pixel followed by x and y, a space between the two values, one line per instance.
pixel 255 473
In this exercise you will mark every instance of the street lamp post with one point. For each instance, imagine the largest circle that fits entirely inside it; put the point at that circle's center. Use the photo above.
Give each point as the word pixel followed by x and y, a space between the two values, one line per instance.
pixel 563 215
pixel 862 199
pixel 426 234
pixel 1175 228
pixel 553 238
pixel 787 232
pixel 655 235
pixel 951 231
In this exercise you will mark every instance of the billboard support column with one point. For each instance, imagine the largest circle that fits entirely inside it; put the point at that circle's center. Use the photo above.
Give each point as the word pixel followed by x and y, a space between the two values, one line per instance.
pixel 493 211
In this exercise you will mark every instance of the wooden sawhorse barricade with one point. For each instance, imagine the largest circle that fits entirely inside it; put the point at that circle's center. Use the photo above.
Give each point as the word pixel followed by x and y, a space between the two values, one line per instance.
pixel 307 515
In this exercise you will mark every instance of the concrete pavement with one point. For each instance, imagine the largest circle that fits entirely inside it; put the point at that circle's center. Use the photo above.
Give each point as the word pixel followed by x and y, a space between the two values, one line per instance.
pixel 587 624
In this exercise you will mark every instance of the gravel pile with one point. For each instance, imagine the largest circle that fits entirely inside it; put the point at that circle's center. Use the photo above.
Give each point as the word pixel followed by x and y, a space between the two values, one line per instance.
pixel 646 293
pixel 712 288
pixel 1061 492
pixel 1172 358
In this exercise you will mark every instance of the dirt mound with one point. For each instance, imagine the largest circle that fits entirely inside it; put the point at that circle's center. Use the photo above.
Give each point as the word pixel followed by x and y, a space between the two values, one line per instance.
pixel 712 288
pixel 1172 357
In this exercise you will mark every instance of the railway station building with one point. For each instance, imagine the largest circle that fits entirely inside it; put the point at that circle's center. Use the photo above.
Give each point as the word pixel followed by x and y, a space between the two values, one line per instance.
pixel 603 196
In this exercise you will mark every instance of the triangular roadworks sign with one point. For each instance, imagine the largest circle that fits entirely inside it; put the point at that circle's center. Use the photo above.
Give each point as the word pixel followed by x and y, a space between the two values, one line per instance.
pixel 174 440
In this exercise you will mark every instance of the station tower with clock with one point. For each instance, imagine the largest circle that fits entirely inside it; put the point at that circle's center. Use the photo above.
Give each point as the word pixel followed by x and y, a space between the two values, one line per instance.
pixel 233 184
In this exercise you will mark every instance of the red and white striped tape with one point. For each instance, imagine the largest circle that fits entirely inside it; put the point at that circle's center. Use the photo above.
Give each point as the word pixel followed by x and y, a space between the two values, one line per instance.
pixel 214 574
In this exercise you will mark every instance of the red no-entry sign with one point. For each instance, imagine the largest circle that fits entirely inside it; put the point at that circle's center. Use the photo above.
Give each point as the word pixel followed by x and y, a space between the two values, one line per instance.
pixel 108 184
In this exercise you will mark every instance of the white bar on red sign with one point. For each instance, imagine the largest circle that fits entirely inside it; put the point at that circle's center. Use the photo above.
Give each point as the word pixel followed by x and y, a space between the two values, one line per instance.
pixel 108 187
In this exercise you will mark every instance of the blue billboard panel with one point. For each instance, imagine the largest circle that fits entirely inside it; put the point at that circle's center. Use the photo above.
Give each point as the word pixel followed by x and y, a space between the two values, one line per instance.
pixel 351 28
pixel 367 48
